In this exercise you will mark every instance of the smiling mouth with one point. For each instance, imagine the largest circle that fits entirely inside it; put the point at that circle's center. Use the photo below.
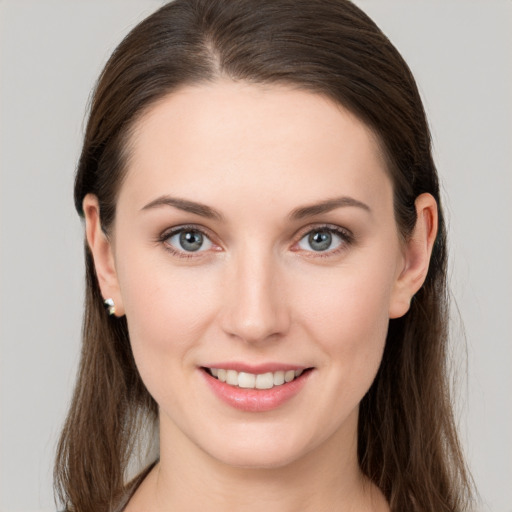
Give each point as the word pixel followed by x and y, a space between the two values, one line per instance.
pixel 247 380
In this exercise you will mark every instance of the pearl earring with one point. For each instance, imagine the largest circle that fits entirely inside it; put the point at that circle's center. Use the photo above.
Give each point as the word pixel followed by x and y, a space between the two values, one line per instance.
pixel 110 306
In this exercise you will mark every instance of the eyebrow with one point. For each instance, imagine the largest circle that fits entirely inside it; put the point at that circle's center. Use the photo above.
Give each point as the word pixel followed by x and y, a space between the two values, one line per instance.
pixel 185 205
pixel 296 214
pixel 327 206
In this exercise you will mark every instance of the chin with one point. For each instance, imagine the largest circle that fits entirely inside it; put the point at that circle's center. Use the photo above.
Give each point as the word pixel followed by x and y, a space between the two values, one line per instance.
pixel 251 458
pixel 266 449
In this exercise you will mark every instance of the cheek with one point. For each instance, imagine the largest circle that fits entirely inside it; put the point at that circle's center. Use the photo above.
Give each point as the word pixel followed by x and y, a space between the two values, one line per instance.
pixel 347 314
pixel 166 310
pixel 351 331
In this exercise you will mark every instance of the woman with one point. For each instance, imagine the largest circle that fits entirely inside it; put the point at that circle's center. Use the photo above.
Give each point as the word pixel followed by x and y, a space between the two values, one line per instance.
pixel 266 263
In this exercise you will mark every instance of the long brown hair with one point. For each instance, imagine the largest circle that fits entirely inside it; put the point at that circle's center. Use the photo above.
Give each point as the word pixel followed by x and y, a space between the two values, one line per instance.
pixel 407 442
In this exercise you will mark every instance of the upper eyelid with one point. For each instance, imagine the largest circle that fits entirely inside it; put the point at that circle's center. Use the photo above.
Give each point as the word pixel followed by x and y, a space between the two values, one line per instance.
pixel 323 226
pixel 347 239
pixel 169 232
pixel 304 230
pixel 166 233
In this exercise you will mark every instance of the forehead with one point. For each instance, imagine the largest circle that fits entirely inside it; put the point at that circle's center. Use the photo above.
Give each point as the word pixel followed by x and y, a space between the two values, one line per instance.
pixel 212 140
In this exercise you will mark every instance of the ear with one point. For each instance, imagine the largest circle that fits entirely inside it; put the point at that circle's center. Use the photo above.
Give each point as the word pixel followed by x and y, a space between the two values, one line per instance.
pixel 102 253
pixel 417 251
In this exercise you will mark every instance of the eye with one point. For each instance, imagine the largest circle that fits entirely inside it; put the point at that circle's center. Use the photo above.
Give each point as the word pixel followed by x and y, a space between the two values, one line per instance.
pixel 188 240
pixel 323 239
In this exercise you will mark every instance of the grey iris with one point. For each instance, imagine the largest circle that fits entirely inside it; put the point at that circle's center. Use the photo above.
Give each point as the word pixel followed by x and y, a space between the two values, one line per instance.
pixel 191 240
pixel 320 240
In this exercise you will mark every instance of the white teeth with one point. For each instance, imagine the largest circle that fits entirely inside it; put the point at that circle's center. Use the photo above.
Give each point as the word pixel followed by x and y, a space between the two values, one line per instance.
pixel 246 380
pixel 251 381
pixel 278 378
pixel 265 380
pixel 289 376
pixel 232 377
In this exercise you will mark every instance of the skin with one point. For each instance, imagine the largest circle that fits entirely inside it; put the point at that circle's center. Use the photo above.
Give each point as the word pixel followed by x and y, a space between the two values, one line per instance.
pixel 257 291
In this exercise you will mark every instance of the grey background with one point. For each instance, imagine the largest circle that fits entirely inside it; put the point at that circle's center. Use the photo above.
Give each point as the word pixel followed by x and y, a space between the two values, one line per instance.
pixel 51 52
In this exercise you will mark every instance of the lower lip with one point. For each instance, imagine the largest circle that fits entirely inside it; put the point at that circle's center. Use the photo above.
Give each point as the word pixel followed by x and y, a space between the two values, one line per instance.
pixel 256 400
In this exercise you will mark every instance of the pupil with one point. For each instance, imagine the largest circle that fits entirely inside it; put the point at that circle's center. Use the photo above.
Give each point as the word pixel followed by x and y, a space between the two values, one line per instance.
pixel 320 241
pixel 191 240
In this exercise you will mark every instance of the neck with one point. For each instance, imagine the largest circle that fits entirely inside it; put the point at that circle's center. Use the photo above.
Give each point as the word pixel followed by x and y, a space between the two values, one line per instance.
pixel 327 478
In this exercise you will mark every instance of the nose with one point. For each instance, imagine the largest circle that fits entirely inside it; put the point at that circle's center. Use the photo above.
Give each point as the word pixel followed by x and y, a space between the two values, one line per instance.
pixel 255 305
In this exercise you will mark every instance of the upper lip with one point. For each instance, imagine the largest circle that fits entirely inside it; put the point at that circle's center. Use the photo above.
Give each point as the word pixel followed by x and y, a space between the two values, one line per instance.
pixel 255 368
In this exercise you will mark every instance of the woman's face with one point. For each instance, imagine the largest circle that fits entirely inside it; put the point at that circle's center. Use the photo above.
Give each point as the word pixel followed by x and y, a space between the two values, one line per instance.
pixel 254 239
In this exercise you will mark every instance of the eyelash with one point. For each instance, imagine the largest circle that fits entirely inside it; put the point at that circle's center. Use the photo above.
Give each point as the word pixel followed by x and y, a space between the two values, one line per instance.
pixel 174 231
pixel 346 237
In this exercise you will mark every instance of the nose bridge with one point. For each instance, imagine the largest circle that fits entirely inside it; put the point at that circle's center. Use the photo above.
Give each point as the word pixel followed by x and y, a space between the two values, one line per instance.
pixel 255 307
